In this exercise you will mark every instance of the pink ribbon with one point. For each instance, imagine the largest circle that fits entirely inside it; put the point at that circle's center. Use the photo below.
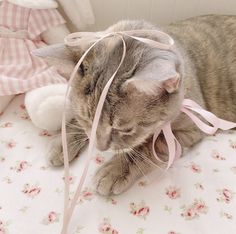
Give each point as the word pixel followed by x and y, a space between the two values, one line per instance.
pixel 174 147
pixel 188 107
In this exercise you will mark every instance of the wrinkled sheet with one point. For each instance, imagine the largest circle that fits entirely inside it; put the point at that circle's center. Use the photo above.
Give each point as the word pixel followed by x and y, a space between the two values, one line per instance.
pixel 197 195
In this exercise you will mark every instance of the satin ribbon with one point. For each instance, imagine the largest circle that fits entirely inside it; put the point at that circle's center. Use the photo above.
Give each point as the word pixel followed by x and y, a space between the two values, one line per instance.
pixel 174 147
pixel 189 107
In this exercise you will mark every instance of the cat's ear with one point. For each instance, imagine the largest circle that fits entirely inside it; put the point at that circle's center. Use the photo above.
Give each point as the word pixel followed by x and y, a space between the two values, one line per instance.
pixel 57 51
pixel 57 55
pixel 158 76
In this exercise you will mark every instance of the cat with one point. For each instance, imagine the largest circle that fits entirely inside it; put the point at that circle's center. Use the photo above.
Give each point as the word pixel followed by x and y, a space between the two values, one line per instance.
pixel 148 91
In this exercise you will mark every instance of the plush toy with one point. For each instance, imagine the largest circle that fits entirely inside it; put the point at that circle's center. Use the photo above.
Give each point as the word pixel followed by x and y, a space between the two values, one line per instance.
pixel 26 25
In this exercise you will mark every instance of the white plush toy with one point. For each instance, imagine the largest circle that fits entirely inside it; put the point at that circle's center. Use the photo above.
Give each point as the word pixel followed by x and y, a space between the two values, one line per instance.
pixel 26 25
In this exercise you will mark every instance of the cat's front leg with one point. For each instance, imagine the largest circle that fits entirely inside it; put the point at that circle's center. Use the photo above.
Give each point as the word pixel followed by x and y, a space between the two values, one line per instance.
pixel 76 141
pixel 118 174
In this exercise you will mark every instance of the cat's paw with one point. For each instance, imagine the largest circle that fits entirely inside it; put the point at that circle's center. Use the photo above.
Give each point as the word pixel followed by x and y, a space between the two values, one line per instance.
pixel 55 152
pixel 112 179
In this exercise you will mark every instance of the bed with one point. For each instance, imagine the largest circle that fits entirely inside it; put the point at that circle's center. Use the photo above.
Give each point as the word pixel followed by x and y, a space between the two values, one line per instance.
pixel 197 195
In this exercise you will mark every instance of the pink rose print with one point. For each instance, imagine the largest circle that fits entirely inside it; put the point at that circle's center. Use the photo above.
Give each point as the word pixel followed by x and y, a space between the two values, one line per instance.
pixel 140 210
pixel 216 155
pixel 172 192
pixel 195 168
pixel 225 195
pixel 99 159
pixel 31 190
pixel 45 133
pixel 52 217
pixel 194 210
pixel 189 213
pixel 112 200
pixel 226 215
pixel 10 144
pixel 2 230
pixel 20 166
pixel 71 179
pixel 87 195
pixel 232 144
pixel 6 125
pixel 200 206
pixel 3 227
pixel 106 228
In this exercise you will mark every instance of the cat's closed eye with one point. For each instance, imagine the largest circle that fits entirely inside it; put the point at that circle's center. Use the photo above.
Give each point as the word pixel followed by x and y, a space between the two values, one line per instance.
pixel 125 130
pixel 83 69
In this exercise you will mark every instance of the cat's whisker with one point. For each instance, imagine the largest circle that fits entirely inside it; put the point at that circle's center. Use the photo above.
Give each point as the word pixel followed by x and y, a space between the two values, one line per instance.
pixel 74 126
pixel 74 147
pixel 150 162
pixel 79 142
pixel 76 134
pixel 145 158
pixel 136 163
pixel 127 160
pixel 139 160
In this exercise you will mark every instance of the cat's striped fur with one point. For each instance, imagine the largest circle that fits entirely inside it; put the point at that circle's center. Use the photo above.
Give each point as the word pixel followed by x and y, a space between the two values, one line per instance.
pixel 204 55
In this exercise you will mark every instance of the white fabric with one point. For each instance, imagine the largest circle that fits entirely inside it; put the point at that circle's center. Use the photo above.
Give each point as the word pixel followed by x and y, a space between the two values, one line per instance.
pixel 36 4
pixel 79 11
pixel 45 106
pixel 196 196
pixel 55 34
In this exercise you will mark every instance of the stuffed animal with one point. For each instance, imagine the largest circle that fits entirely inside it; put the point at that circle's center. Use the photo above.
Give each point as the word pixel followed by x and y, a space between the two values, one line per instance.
pixel 26 25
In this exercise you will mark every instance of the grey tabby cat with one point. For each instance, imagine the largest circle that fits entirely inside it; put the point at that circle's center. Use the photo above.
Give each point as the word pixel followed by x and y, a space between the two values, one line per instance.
pixel 147 92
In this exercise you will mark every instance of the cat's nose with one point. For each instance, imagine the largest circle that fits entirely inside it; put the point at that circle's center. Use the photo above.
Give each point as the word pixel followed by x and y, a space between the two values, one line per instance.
pixel 102 145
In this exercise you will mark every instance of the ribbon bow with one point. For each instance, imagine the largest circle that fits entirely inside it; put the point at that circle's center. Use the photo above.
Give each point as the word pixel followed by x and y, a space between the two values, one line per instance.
pixel 188 107
pixel 174 146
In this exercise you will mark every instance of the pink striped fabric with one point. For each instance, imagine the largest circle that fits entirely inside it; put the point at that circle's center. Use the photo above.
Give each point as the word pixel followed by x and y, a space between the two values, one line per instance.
pixel 19 70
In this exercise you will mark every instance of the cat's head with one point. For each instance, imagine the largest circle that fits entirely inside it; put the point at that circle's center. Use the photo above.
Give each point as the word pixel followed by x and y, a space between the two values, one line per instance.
pixel 146 92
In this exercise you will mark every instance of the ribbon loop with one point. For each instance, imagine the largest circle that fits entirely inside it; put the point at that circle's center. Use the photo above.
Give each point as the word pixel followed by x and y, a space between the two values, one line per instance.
pixel 173 145
pixel 75 39
pixel 216 122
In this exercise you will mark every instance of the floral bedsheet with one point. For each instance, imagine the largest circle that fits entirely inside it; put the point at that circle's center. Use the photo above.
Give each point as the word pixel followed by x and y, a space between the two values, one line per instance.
pixel 196 196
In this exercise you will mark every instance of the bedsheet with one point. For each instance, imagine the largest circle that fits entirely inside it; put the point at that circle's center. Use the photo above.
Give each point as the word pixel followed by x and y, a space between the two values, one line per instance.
pixel 196 196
